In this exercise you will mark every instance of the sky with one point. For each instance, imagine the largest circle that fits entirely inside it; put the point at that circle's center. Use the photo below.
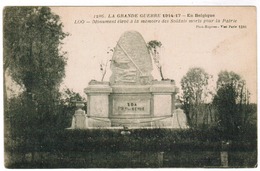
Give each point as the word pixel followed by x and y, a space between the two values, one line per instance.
pixel 185 45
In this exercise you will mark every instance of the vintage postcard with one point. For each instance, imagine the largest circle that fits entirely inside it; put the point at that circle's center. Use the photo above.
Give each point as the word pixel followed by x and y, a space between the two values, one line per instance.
pixel 130 87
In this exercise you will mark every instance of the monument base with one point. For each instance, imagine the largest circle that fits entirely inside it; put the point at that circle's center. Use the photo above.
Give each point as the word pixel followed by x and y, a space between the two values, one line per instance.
pixel 93 122
pixel 131 122
pixel 176 121
pixel 163 123
pixel 179 119
pixel 79 120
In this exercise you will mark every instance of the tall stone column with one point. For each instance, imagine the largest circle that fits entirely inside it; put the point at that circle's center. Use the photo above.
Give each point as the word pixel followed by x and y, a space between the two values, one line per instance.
pixel 98 104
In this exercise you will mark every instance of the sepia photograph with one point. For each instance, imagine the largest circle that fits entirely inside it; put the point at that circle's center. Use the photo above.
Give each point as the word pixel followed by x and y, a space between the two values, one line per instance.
pixel 130 87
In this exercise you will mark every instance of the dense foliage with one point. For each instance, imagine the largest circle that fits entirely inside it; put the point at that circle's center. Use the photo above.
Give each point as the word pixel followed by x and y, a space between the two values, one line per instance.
pixel 33 59
pixel 195 91
pixel 232 104
pixel 32 38
pixel 109 148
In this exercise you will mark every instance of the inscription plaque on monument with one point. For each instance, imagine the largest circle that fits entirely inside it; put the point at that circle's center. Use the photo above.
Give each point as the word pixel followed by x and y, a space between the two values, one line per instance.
pixel 131 106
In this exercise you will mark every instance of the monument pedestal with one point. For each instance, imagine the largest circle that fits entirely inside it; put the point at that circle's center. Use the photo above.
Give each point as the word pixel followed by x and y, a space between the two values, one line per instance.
pixel 141 106
pixel 163 102
pixel 79 120
pixel 98 104
pixel 179 119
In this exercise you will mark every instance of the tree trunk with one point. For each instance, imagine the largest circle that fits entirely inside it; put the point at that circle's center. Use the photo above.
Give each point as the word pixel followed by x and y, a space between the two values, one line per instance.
pixel 103 75
pixel 241 115
pixel 210 114
pixel 160 69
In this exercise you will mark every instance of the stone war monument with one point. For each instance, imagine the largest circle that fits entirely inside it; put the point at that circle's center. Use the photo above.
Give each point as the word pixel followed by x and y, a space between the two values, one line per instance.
pixel 131 98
